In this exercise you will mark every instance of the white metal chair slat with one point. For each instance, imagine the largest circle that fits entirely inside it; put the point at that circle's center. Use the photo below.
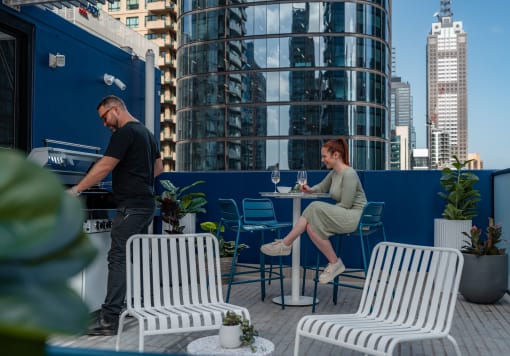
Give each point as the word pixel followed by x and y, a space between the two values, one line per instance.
pixel 154 274
pixel 165 274
pixel 174 285
pixel 174 270
pixel 408 310
pixel 409 294
pixel 146 281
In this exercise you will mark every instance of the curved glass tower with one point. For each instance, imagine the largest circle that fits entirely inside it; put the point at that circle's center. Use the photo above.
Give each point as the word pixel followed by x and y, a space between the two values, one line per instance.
pixel 265 83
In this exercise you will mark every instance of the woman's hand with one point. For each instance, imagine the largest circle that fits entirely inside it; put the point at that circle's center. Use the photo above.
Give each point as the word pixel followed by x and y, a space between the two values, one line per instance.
pixel 306 189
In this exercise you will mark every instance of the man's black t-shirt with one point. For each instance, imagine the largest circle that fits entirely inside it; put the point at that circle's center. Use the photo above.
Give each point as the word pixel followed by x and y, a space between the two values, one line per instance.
pixel 133 177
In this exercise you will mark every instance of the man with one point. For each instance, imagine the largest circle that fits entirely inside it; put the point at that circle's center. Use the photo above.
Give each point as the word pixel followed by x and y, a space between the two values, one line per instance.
pixel 133 158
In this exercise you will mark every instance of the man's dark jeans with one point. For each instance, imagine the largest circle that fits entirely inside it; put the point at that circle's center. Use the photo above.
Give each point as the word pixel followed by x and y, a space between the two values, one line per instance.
pixel 127 222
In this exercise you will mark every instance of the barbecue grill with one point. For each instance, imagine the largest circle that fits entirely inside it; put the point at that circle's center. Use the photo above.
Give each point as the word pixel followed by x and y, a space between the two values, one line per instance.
pixel 71 162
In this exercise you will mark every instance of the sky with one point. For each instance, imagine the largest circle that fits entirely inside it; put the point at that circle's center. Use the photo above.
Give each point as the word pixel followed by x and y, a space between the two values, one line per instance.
pixel 488 34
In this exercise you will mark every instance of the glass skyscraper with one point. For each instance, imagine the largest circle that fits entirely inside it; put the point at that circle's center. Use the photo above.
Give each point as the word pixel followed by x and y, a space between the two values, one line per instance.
pixel 265 83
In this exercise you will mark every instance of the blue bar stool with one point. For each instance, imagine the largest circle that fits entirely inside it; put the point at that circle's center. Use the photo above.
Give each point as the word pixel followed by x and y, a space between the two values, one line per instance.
pixel 370 222
pixel 256 221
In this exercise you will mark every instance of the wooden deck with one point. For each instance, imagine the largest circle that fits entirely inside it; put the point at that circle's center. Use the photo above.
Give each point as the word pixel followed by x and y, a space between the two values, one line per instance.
pixel 479 329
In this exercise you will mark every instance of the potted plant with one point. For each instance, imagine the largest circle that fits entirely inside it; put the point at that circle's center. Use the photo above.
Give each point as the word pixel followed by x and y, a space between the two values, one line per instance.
pixel 43 246
pixel 461 200
pixel 175 203
pixel 236 331
pixel 485 274
pixel 226 248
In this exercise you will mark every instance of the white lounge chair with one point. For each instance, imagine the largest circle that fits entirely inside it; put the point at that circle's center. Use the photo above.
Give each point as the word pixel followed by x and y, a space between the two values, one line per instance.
pixel 409 294
pixel 174 285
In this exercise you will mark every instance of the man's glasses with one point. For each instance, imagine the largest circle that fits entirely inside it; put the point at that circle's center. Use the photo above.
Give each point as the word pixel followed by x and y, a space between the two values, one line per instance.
pixel 103 117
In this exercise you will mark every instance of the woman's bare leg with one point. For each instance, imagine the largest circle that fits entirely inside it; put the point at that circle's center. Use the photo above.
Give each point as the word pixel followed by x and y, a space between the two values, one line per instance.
pixel 324 246
pixel 297 230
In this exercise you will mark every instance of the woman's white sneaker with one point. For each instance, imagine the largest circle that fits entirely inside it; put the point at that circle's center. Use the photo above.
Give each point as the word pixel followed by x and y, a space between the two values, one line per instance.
pixel 331 271
pixel 276 248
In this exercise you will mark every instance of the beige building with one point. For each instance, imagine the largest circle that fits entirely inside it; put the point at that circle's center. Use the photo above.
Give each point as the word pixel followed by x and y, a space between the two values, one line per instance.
pixel 157 21
pixel 476 162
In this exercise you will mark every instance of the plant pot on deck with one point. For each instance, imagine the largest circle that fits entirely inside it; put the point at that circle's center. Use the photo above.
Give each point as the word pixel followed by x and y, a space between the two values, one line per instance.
pixel 448 233
pixel 484 278
pixel 230 336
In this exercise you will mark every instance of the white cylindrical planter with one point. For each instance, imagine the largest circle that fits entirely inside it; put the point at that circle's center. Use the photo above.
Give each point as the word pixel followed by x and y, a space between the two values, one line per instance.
pixel 448 233
pixel 189 223
pixel 230 336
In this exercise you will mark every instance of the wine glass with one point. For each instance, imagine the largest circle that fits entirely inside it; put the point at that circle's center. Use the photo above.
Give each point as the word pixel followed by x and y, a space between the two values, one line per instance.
pixel 275 178
pixel 301 178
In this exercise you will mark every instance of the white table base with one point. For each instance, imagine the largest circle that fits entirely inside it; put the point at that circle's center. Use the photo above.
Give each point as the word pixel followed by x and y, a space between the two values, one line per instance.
pixel 210 346
pixel 300 301
pixel 295 299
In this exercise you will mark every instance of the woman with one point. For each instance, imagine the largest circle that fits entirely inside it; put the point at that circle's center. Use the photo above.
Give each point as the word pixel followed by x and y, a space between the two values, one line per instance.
pixel 322 220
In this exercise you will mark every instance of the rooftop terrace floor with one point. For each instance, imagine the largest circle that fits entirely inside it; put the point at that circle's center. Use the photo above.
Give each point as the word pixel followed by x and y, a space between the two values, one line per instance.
pixel 478 329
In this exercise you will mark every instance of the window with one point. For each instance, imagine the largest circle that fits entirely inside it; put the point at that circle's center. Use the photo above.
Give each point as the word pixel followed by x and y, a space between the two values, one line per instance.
pixel 16 47
pixel 115 6
pixel 132 5
pixel 132 22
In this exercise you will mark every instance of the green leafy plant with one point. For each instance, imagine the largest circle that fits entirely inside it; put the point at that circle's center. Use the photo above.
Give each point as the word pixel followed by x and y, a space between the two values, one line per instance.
pixel 175 203
pixel 227 248
pixel 484 245
pixel 42 246
pixel 248 329
pixel 461 197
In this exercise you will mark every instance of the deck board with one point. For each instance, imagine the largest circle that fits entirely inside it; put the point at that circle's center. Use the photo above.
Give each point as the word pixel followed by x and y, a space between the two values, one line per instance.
pixel 480 330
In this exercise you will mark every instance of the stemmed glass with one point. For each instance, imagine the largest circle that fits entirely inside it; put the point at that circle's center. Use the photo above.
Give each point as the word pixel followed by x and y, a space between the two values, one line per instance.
pixel 301 178
pixel 275 178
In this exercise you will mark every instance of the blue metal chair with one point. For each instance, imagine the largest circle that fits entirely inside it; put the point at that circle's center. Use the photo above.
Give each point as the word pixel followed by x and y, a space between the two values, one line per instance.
pixel 370 222
pixel 233 220
pixel 261 212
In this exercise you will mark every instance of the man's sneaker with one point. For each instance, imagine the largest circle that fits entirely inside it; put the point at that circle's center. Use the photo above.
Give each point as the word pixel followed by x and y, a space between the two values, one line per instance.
pixel 331 271
pixel 276 248
pixel 102 327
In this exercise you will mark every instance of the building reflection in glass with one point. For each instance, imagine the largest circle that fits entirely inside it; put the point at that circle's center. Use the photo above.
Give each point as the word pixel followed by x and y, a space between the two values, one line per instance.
pixel 266 83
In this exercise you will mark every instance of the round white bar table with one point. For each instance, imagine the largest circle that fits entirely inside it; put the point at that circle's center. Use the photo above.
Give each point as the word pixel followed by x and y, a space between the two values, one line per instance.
pixel 210 346
pixel 295 299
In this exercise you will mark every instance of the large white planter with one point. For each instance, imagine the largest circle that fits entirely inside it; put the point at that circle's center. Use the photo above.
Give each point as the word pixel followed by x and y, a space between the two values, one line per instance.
pixel 230 336
pixel 189 223
pixel 448 233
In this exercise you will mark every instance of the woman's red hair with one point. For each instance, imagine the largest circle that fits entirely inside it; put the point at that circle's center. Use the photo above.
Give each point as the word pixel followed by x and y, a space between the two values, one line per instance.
pixel 339 145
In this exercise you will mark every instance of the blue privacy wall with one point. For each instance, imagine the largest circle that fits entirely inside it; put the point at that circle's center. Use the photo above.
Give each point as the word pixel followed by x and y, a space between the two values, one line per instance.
pixel 411 201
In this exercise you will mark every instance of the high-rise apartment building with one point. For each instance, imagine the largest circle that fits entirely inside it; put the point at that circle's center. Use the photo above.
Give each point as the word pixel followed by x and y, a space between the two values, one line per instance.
pixel 400 157
pixel 440 148
pixel 157 21
pixel 261 84
pixel 401 118
pixel 446 87
pixel 420 159
pixel 476 162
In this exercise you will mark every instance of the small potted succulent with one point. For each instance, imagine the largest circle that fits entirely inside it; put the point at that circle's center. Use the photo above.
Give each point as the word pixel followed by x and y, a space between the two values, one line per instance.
pixel 485 274
pixel 236 331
